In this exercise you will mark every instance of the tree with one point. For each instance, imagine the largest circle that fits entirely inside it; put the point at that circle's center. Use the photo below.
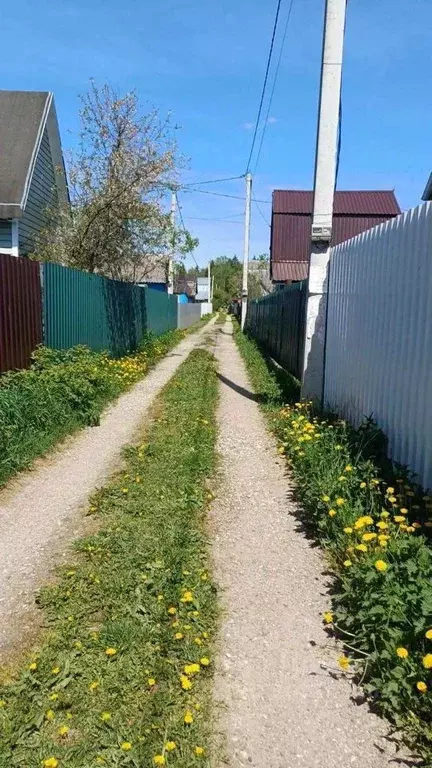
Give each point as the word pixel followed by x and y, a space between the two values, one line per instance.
pixel 124 163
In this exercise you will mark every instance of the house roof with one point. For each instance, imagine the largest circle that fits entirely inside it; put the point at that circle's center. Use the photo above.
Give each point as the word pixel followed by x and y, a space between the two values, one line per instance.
pixel 427 194
pixel 158 273
pixel 354 212
pixel 186 284
pixel 289 271
pixel 23 118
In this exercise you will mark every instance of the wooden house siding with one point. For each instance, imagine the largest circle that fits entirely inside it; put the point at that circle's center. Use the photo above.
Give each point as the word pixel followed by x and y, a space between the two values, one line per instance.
pixel 42 195
pixel 5 233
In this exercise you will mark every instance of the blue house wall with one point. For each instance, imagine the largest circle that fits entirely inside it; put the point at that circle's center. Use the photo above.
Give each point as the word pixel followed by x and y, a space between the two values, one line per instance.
pixel 42 195
pixel 5 233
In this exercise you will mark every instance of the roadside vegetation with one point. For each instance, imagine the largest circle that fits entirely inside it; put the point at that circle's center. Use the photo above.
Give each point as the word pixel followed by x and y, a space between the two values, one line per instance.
pixel 123 674
pixel 374 523
pixel 63 391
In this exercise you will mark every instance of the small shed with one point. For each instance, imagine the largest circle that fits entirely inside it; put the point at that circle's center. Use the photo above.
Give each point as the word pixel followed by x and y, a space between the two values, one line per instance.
pixel 291 223
pixel 32 173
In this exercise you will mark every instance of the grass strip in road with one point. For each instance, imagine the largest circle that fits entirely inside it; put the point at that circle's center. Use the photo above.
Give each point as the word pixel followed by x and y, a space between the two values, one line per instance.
pixel 123 674
pixel 376 533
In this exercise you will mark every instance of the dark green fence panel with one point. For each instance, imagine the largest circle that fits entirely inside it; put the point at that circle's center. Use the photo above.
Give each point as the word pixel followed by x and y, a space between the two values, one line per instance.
pixel 81 308
pixel 161 311
pixel 277 321
pixel 74 309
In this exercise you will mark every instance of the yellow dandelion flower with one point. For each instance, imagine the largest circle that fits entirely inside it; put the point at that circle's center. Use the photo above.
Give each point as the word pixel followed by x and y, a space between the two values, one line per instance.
pixel 126 746
pixel 199 751
pixel 362 547
pixel 197 641
pixel 51 762
pixel 185 683
pixel 188 718
pixel 53 696
pixel 110 651
pixel 49 714
pixel 33 666
pixel 55 670
pixel 382 525
pixel 427 661
pixel 421 686
pixel 428 634
pixel 63 731
pixel 399 519
pixel 170 746
pixel 392 499
pixel 342 478
pixel 205 662
pixel 390 491
pixel 105 716
pixel 159 760
pixel 187 597
pixel 402 652
pixel 93 685
pixel 340 501
pixel 363 485
pixel 348 529
pixel 348 468
pixel 332 512
pixel 328 617
pixel 151 681
pixel 385 514
pixel 192 669
pixel 369 536
pixel 343 662
pixel 179 635
pixel 172 611
pixel 403 511
pixel 381 565
pixel 347 563
pixel 326 498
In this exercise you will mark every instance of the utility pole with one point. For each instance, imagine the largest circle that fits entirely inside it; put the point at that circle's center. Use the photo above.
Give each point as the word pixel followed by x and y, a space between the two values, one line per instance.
pixel 209 283
pixel 324 186
pixel 246 249
pixel 170 286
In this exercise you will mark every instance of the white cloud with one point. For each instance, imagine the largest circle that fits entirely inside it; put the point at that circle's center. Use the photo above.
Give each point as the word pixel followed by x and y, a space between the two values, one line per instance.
pixel 272 120
pixel 248 126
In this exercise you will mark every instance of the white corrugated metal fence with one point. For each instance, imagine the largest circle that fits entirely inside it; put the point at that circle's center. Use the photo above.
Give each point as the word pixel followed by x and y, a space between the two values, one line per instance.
pixel 379 334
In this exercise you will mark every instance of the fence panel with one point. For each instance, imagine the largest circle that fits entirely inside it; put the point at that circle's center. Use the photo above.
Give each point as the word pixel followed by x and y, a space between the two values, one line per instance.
pixel 20 311
pixel 188 314
pixel 161 311
pixel 379 334
pixel 277 322
pixel 74 309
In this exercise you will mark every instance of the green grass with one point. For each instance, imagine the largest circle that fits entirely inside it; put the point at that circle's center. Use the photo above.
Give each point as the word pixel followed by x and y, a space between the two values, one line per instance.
pixel 136 583
pixel 376 531
pixel 62 392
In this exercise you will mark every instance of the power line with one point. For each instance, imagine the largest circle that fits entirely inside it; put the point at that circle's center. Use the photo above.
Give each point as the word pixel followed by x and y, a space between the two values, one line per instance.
pixel 274 84
pixel 264 85
pixel 221 194
pixel 260 212
pixel 203 218
pixel 213 181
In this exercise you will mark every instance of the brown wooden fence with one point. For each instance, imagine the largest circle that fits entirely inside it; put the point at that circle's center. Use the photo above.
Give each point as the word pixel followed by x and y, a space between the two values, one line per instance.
pixel 20 311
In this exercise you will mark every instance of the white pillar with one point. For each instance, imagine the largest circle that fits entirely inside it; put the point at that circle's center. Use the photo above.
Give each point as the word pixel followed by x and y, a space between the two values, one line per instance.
pixel 170 285
pixel 324 185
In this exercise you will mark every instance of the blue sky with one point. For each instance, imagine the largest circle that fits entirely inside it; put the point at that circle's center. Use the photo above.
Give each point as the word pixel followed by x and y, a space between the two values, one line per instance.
pixel 205 62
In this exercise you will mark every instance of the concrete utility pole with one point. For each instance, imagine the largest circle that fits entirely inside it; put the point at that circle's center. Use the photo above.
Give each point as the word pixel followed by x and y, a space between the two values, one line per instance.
pixel 324 186
pixel 209 282
pixel 246 249
pixel 170 286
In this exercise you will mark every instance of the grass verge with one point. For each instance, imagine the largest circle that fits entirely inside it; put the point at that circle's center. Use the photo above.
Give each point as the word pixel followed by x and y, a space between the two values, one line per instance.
pixel 123 675
pixel 376 533
pixel 64 391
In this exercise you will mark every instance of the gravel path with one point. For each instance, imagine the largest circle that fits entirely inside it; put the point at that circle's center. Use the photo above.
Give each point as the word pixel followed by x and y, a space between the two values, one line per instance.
pixel 281 706
pixel 39 512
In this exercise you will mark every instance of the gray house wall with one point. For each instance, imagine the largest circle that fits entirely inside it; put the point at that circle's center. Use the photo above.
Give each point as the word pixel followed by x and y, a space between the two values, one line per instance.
pixel 42 195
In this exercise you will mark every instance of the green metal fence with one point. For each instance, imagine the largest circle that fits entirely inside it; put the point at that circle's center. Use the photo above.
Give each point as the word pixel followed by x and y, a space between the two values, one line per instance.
pixel 82 308
pixel 277 321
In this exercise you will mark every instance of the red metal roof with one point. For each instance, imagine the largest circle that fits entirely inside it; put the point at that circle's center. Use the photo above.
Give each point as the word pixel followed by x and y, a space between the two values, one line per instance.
pixel 354 213
pixel 355 203
pixel 283 271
